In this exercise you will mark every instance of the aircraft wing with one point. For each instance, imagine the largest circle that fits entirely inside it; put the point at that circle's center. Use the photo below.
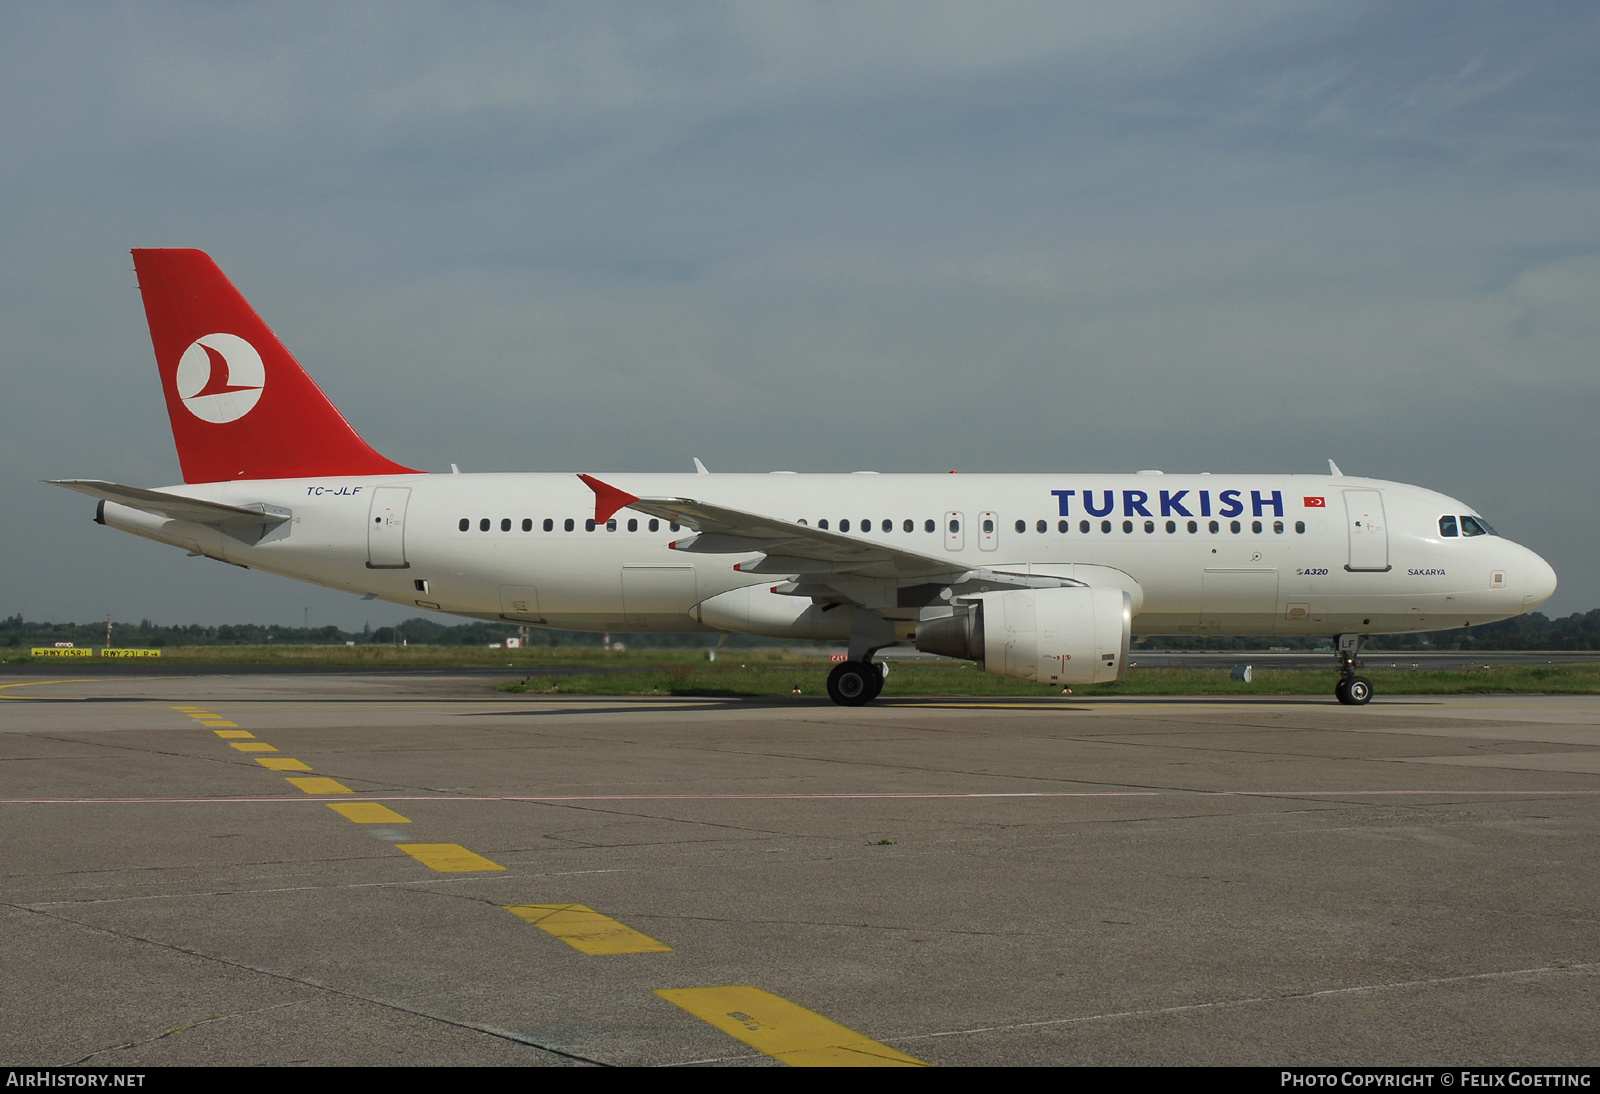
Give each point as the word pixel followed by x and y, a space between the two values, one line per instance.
pixel 171 506
pixel 788 548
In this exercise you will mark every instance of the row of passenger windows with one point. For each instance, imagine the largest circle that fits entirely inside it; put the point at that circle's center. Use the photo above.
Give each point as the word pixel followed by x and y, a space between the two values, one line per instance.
pixel 1469 526
pixel 567 525
pixel 1065 526
pixel 888 525
pixel 1128 526
pixel 1021 526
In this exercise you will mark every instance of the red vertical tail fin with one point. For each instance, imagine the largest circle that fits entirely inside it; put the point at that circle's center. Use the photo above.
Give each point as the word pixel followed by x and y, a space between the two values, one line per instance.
pixel 241 405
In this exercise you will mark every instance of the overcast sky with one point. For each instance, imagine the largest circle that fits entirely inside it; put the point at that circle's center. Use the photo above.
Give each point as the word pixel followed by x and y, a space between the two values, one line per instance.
pixel 906 237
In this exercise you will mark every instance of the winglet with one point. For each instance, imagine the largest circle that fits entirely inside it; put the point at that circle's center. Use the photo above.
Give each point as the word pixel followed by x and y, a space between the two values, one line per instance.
pixel 607 498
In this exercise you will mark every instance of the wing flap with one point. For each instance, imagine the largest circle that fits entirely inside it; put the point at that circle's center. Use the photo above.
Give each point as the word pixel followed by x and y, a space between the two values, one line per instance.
pixel 772 536
pixel 171 506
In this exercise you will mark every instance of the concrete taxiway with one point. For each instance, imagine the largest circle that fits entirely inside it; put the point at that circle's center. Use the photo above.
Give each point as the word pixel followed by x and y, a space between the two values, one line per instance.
pixel 318 869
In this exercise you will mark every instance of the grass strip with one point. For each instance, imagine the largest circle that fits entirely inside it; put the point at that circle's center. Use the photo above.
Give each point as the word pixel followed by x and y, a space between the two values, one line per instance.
pixel 920 678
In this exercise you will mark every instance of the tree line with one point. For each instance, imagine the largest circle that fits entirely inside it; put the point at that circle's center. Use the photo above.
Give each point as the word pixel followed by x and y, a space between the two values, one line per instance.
pixel 1534 631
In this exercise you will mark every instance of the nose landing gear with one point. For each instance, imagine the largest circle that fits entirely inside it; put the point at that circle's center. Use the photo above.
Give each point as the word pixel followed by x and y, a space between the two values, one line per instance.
pixel 1351 690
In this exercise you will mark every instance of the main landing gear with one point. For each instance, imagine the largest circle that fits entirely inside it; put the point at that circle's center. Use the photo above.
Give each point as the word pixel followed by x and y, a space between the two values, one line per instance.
pixel 859 680
pixel 1351 690
pixel 855 683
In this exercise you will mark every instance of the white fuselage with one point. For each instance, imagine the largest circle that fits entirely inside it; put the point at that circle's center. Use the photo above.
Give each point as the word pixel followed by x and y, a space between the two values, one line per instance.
pixel 1251 557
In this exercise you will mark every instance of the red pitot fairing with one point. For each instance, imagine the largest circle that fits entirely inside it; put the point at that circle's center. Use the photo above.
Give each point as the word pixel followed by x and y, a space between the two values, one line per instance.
pixel 241 405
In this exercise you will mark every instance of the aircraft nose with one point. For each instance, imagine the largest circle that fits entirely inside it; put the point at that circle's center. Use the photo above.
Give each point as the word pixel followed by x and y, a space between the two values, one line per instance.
pixel 1541 583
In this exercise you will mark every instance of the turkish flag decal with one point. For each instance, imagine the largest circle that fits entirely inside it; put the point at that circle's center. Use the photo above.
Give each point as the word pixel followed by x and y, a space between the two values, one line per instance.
pixel 1316 503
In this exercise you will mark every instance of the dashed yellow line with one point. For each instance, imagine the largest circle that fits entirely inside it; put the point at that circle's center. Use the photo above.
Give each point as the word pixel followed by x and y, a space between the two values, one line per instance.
pixel 586 930
pixel 772 1025
pixel 447 858
pixel 233 734
pixel 282 763
pixel 253 746
pixel 368 813
pixel 320 786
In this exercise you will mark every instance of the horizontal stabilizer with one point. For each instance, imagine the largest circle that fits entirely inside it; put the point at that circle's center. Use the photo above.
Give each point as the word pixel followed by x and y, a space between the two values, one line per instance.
pixel 171 506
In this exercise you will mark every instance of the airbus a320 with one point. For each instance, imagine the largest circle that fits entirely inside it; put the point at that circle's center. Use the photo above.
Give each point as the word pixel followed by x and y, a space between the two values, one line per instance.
pixel 1039 577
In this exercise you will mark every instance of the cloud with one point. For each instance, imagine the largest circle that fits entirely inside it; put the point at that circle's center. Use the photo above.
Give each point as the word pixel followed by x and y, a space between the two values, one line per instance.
pixel 907 237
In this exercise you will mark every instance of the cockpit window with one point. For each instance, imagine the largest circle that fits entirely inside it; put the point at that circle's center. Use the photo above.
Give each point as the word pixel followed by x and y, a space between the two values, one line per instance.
pixel 1447 527
pixel 1475 526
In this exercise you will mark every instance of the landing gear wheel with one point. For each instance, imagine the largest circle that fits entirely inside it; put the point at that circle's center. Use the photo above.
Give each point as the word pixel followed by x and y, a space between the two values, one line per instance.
pixel 854 683
pixel 1353 691
pixel 875 676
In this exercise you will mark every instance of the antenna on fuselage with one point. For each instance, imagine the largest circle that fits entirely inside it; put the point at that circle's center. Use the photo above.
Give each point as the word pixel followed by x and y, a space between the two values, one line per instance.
pixel 700 468
pixel 1333 469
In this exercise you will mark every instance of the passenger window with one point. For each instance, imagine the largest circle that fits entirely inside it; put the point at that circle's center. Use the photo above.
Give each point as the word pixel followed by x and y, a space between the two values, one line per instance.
pixel 866 525
pixel 1062 526
pixel 1214 527
pixel 654 524
pixel 988 527
pixel 611 525
pixel 1021 526
pixel 1172 526
pixel 1149 526
pixel 1255 526
pixel 673 526
pixel 888 525
pixel 567 524
pixel 927 526
pixel 527 524
pixel 505 524
pixel 955 526
pixel 465 524
pixel 844 525
pixel 1083 526
pixel 1472 526
pixel 1105 526
pixel 1447 527
pixel 910 526
pixel 1127 527
pixel 1233 526
pixel 1300 527
pixel 633 525
pixel 483 525
pixel 1277 527
pixel 549 525
pixel 588 525
pixel 1194 527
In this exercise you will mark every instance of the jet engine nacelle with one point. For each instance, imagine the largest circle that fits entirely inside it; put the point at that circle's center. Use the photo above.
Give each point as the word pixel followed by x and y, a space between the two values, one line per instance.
pixel 1076 635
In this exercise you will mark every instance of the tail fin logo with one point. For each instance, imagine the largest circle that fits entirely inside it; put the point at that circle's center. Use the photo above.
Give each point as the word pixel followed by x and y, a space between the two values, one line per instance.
pixel 220 378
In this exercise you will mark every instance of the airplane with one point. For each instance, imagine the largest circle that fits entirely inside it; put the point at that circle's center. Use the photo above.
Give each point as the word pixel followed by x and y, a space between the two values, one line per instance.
pixel 1042 577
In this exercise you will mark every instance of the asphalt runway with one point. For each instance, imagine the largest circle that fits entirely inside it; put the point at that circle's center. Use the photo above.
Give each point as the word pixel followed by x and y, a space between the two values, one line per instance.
pixel 318 869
